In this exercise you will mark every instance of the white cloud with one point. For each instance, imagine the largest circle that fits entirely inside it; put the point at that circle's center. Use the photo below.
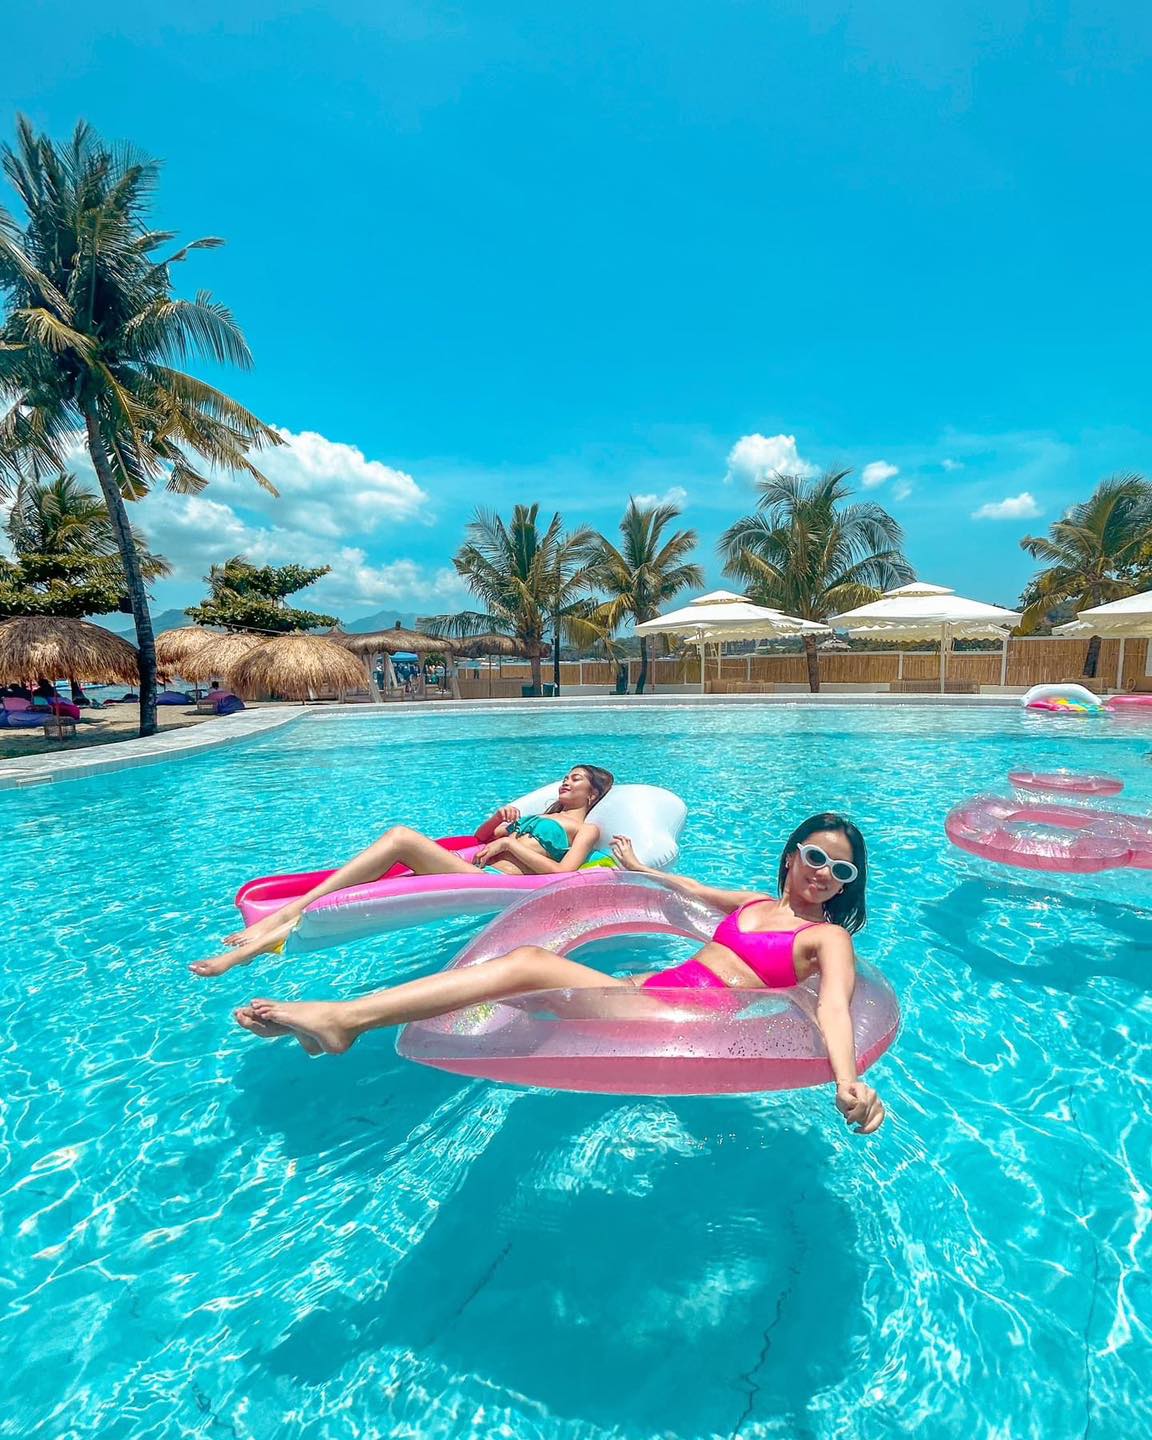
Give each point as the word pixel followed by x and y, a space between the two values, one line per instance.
pixel 876 472
pixel 327 487
pixel 1015 507
pixel 758 457
pixel 951 465
pixel 404 583
pixel 674 495
pixel 332 497
pixel 902 491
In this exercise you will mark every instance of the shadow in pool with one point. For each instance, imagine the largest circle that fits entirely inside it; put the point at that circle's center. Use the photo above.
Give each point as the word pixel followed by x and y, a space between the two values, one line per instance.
pixel 1121 948
pixel 361 1103
pixel 609 1259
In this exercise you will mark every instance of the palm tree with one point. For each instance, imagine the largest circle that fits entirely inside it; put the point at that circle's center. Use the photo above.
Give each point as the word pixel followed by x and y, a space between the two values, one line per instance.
pixel 1093 554
pixel 643 573
pixel 61 520
pixel 89 340
pixel 808 554
pixel 527 580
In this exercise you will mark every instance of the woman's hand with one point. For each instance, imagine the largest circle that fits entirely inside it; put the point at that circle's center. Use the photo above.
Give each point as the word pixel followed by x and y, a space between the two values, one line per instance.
pixel 508 814
pixel 495 850
pixel 862 1108
pixel 624 855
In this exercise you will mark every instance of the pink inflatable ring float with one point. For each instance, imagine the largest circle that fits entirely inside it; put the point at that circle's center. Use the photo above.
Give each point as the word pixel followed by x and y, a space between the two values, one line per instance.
pixel 1129 704
pixel 626 1041
pixel 1064 783
pixel 1063 838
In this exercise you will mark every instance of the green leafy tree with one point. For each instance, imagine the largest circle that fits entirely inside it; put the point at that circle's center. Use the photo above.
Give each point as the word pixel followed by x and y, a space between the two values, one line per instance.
pixel 528 580
pixel 1098 552
pixel 89 339
pixel 806 552
pixel 66 558
pixel 644 572
pixel 251 597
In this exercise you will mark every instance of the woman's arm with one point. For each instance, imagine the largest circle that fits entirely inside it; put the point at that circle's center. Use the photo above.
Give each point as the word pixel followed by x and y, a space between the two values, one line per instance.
pixel 856 1101
pixel 497 824
pixel 728 900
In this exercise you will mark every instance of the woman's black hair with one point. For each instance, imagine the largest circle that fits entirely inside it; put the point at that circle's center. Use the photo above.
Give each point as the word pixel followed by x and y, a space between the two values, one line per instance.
pixel 601 781
pixel 848 908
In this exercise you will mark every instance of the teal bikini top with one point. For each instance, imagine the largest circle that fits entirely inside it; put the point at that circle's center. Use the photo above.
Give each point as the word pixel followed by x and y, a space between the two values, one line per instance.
pixel 553 840
pixel 548 833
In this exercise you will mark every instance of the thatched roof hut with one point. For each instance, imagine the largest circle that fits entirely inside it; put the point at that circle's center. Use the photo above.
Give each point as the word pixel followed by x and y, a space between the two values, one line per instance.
pixel 506 646
pixel 297 667
pixel 395 641
pixel 57 648
pixel 174 647
pixel 217 660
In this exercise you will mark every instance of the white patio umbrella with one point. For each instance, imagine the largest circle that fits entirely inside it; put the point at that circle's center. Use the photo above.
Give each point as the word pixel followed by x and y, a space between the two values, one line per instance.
pixel 719 616
pixel 930 612
pixel 1127 619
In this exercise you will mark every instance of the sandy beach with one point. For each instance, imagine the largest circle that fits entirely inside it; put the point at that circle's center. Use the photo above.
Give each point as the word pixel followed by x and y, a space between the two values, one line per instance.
pixel 95 727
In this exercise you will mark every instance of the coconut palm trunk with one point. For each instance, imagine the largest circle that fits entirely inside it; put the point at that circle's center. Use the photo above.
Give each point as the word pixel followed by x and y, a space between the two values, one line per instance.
pixel 812 656
pixel 643 678
pixel 133 578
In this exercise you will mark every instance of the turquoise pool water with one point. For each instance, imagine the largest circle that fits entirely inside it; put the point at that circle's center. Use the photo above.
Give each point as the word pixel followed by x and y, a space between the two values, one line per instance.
pixel 209 1235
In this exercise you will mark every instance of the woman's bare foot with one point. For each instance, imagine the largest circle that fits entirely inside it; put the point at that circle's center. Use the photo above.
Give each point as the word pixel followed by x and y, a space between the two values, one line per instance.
pixel 254 932
pixel 246 1018
pixel 270 941
pixel 221 964
pixel 320 1021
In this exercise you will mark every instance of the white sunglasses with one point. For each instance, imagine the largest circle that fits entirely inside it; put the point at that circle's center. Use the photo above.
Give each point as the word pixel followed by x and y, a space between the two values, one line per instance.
pixel 842 870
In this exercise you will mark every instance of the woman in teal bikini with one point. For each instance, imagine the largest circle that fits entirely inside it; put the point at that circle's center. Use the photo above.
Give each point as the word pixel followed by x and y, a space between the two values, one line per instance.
pixel 552 844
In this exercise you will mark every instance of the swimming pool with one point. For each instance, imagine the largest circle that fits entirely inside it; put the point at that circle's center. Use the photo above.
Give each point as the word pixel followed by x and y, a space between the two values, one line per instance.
pixel 210 1235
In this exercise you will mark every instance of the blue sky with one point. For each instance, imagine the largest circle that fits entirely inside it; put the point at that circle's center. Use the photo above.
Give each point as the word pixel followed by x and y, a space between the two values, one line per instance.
pixel 514 251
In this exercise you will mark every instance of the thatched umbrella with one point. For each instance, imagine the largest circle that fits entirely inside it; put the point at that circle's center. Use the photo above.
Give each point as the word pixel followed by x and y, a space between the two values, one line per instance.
pixel 174 647
pixel 506 646
pixel 53 647
pixel 501 647
pixel 219 658
pixel 296 667
pixel 395 641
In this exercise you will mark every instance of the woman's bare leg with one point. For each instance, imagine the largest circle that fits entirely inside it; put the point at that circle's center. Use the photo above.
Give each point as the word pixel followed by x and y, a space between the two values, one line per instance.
pixel 333 1026
pixel 408 847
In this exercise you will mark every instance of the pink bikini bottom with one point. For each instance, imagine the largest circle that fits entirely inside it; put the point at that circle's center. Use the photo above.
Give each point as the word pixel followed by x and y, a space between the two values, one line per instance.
pixel 692 975
pixel 706 986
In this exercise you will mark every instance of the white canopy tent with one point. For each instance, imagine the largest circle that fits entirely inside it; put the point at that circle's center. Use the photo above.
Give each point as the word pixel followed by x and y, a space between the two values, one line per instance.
pixel 920 611
pixel 720 616
pixel 1127 619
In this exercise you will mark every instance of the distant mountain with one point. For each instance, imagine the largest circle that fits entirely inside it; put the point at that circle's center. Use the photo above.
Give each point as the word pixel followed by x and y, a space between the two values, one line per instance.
pixel 173 619
pixel 380 620
pixel 123 624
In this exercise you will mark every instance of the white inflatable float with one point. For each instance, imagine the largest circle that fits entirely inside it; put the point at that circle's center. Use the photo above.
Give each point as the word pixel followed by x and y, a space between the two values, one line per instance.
pixel 651 817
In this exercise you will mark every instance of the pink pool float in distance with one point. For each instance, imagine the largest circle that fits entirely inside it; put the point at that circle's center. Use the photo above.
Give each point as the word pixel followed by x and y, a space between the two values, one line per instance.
pixel 1036 836
pixel 1064 785
pixel 627 1041
pixel 1129 705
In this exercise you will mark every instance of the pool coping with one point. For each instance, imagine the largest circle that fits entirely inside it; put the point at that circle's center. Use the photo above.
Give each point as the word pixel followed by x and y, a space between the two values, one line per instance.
pixel 26 771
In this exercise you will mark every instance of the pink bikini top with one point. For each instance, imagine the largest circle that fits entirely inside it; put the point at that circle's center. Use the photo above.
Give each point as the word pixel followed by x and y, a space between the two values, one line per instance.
pixel 769 954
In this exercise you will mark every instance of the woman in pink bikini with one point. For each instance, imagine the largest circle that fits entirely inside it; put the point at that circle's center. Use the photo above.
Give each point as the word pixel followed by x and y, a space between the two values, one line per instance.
pixel 762 941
